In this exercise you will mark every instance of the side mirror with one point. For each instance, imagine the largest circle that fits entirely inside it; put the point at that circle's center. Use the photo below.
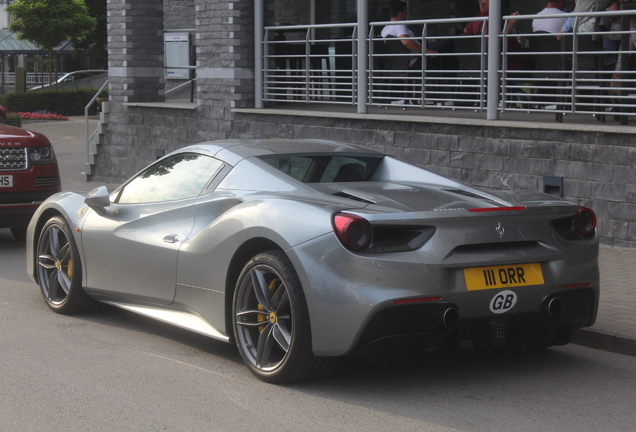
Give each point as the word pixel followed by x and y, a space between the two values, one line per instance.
pixel 98 198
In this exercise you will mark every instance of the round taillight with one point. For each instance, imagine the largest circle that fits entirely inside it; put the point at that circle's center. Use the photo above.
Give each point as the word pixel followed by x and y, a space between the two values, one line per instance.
pixel 354 232
pixel 585 222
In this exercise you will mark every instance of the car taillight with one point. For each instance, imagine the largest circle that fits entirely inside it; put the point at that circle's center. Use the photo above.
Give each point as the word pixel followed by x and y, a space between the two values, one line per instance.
pixel 358 235
pixel 585 222
pixel 355 233
pixel 581 225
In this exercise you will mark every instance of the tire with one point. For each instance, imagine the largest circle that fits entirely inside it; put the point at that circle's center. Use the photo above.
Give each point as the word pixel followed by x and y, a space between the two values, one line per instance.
pixel 271 322
pixel 59 269
pixel 19 233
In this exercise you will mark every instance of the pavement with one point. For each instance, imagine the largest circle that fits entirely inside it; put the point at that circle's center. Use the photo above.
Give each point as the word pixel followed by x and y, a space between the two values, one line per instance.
pixel 615 327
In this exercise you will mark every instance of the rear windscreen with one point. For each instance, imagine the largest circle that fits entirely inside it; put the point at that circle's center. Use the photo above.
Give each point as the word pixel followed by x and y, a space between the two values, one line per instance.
pixel 325 168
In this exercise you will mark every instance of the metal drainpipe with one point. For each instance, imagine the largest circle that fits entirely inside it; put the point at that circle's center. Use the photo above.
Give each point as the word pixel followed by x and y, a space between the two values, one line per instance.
pixel 494 27
pixel 259 25
pixel 363 55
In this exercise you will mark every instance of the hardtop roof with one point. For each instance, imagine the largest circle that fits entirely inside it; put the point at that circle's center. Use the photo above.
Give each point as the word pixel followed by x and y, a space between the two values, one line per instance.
pixel 264 147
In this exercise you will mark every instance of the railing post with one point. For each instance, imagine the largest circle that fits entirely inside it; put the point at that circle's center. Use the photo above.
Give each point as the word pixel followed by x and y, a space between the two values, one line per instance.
pixel 307 64
pixel 371 63
pixel 504 69
pixel 575 62
pixel 494 27
pixel 424 62
pixel 363 55
pixel 259 24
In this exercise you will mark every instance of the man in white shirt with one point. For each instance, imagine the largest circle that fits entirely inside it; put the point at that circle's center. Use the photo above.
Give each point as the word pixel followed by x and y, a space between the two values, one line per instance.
pixel 550 25
pixel 398 12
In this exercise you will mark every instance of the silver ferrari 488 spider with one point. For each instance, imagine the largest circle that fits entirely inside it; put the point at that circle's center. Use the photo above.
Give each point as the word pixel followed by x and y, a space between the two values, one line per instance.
pixel 300 252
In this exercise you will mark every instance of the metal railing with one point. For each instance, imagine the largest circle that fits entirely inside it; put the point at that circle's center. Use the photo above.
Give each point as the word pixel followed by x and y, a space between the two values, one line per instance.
pixel 537 73
pixel 189 83
pixel 90 137
pixel 452 74
pixel 299 65
pixel 582 72
pixel 32 78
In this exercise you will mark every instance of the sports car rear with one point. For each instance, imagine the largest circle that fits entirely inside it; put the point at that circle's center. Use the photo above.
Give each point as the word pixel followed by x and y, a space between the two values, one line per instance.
pixel 511 276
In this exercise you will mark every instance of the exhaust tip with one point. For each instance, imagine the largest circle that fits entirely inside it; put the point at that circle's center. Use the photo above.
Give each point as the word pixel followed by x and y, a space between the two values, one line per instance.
pixel 553 307
pixel 449 317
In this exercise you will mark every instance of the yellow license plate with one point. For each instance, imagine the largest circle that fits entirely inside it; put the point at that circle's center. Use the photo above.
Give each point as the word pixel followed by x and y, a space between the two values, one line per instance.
pixel 496 277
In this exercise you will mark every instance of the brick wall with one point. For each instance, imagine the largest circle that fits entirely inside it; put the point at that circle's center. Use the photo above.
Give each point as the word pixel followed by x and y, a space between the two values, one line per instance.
pixel 225 59
pixel 178 14
pixel 135 50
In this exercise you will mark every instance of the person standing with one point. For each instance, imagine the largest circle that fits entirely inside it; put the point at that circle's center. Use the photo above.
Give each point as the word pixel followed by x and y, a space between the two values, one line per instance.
pixel 550 25
pixel 475 28
pixel 586 24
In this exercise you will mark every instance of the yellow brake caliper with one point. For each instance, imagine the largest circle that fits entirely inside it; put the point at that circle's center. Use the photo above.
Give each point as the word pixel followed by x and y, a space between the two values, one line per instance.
pixel 263 318
pixel 69 270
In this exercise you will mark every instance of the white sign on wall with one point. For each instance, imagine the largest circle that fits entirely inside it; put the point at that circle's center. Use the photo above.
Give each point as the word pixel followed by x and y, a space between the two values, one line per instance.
pixel 177 49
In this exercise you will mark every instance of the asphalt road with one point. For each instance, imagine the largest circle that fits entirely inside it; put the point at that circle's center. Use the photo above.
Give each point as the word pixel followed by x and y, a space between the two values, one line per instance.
pixel 111 370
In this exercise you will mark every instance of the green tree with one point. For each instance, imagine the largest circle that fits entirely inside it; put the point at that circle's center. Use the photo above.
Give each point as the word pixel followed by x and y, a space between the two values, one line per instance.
pixel 48 23
pixel 96 41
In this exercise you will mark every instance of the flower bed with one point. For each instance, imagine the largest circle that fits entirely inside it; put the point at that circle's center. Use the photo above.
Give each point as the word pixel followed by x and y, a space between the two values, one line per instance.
pixel 40 115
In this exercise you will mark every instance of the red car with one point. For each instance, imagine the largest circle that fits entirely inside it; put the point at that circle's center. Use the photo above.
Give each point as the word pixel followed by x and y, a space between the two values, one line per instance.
pixel 28 175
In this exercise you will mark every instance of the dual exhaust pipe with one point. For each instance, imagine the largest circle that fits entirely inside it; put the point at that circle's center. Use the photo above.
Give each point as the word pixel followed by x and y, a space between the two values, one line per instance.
pixel 449 317
pixel 552 308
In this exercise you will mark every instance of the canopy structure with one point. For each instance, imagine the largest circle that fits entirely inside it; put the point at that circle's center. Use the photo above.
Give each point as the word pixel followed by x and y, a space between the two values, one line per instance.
pixel 10 44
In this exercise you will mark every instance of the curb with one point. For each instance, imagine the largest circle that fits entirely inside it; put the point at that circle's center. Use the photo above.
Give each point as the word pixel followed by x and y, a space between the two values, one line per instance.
pixel 606 342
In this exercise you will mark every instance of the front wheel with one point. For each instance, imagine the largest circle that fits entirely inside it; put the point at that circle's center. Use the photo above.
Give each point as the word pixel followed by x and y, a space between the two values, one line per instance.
pixel 271 322
pixel 60 270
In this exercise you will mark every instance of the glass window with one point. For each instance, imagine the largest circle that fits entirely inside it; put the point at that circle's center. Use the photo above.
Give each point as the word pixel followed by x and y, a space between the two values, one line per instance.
pixel 323 169
pixel 178 177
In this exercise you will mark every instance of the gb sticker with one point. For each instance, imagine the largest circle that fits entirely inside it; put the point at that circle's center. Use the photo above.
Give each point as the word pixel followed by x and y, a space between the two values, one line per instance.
pixel 503 302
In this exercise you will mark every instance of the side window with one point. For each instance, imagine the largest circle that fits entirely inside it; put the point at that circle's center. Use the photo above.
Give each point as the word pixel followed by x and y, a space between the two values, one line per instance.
pixel 178 177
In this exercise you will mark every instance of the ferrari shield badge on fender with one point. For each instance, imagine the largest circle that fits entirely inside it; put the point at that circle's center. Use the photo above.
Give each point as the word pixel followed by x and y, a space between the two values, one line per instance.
pixel 503 301
pixel 81 212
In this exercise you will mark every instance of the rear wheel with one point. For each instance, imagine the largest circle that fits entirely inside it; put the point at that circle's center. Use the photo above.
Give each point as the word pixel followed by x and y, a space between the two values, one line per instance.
pixel 60 270
pixel 271 322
